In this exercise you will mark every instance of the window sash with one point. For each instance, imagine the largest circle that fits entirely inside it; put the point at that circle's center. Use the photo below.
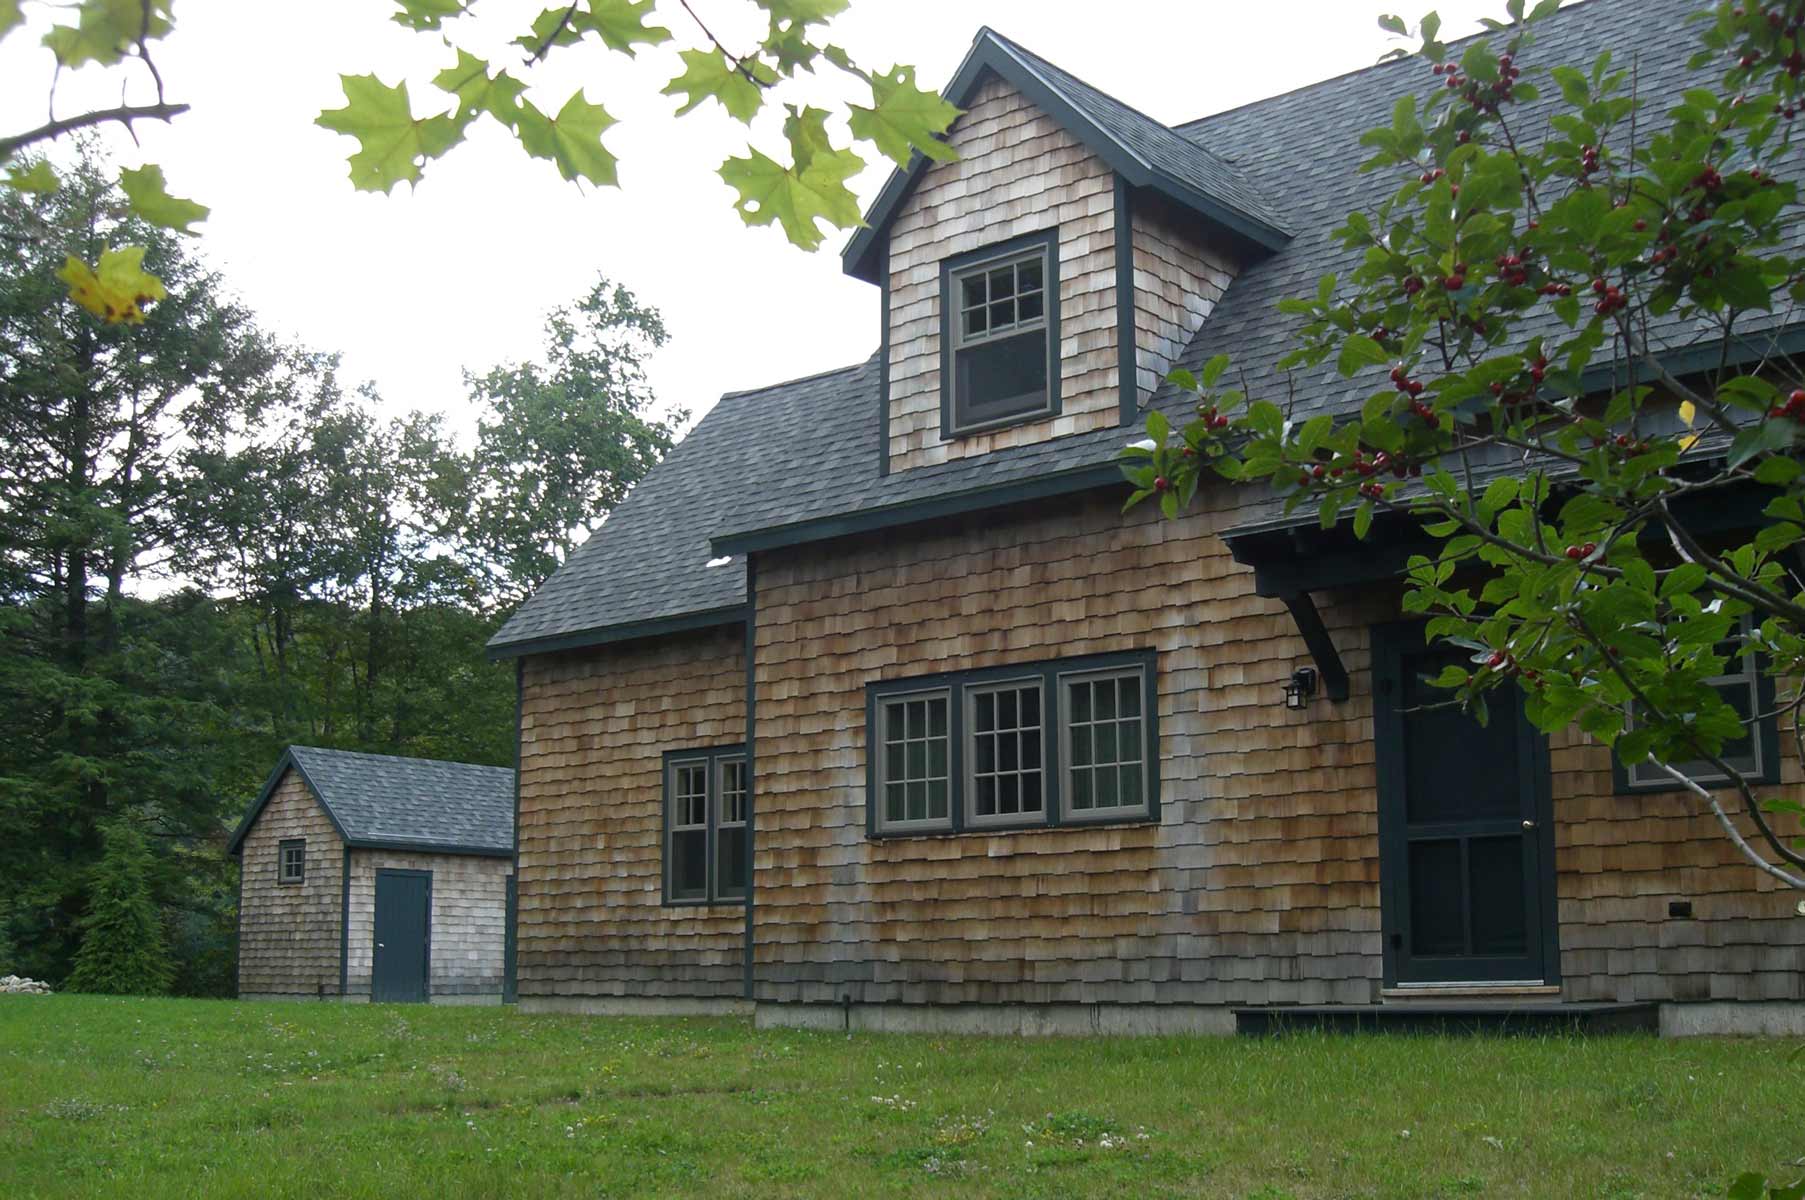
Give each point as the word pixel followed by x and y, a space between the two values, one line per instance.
pixel 911 776
pixel 707 805
pixel 996 308
pixel 1007 753
pixel 291 861
pixel 999 331
pixel 1103 744
pixel 1755 762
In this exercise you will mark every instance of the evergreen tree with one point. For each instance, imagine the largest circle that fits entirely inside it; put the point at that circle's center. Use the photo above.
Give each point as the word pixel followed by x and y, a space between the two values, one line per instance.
pixel 122 950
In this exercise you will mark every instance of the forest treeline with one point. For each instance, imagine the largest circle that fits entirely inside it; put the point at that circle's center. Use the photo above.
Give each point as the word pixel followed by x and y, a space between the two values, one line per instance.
pixel 212 547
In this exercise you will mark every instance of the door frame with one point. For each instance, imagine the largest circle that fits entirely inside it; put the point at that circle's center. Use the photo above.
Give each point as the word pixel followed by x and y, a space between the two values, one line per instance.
pixel 426 961
pixel 1390 641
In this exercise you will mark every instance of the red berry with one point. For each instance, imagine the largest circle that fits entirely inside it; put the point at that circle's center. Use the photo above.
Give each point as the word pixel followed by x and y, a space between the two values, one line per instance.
pixel 1589 549
pixel 1161 484
pixel 1454 282
pixel 1575 553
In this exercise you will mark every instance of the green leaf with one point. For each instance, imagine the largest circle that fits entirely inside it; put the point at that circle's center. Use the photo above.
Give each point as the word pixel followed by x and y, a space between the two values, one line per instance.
pixel 1213 369
pixel 1758 439
pixel 1748 1186
pixel 903 118
pixel 106 30
pixel 37 178
pixel 1158 428
pixel 144 187
pixel 1357 352
pixel 1391 23
pixel 11 16
pixel 803 12
pixel 1683 579
pixel 797 198
pixel 426 14
pixel 572 139
pixel 1363 519
pixel 478 92
pixel 709 73
pixel 621 24
pixel 1777 471
pixel 393 142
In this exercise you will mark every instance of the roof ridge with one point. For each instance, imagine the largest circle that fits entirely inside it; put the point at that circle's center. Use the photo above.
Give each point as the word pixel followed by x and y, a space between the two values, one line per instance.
pixel 449 762
pixel 1183 126
pixel 771 387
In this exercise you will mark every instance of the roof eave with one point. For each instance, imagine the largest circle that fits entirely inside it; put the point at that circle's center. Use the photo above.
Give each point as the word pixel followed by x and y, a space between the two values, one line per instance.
pixel 940 504
pixel 626 631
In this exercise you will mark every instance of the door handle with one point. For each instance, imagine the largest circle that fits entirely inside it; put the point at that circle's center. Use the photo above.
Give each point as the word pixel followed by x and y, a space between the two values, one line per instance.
pixel 1529 824
pixel 379 945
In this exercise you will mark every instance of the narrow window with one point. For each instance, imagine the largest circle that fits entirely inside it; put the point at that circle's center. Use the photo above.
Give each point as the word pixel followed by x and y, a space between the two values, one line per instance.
pixel 688 855
pixel 730 829
pixel 1004 755
pixel 1105 740
pixel 1000 328
pixel 915 773
pixel 291 860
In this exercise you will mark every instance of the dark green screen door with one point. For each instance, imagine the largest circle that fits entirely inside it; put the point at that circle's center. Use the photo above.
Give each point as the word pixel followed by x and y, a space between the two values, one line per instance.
pixel 1466 852
pixel 403 938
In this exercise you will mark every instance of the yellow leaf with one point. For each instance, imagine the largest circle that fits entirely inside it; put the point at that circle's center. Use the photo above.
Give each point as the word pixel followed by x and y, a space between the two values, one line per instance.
pixel 1690 440
pixel 118 291
pixel 1687 413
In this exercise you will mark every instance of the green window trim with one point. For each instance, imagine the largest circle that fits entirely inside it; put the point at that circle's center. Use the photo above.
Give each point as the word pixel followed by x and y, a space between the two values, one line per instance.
pixel 1760 764
pixel 1011 754
pixel 706 811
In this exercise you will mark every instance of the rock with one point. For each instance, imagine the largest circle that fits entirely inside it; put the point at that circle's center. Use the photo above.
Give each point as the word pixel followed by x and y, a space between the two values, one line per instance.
pixel 13 985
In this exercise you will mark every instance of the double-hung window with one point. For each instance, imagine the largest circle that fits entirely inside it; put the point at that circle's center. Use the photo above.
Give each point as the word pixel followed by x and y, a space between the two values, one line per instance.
pixel 1000 335
pixel 291 860
pixel 1756 754
pixel 1065 742
pixel 706 806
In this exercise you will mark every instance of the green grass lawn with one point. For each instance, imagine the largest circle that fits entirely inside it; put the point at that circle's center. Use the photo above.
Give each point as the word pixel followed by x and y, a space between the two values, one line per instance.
pixel 149 1098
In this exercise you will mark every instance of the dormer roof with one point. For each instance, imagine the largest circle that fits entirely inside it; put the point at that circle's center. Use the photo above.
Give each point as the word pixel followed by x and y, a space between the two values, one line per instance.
pixel 1143 151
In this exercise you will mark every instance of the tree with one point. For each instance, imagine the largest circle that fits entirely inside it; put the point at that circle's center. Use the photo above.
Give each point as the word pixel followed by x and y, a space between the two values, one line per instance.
pixel 1571 563
pixel 559 444
pixel 122 949
pixel 395 142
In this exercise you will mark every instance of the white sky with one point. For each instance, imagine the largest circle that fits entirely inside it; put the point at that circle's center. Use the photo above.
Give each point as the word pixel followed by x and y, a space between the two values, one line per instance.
pixel 414 287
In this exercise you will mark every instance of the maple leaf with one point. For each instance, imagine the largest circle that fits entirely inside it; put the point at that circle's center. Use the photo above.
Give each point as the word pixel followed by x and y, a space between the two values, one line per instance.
pixel 478 92
pixel 426 14
pixel 393 141
pixel 904 118
pixel 621 24
pixel 38 178
pixel 11 16
pixel 106 29
pixel 803 12
pixel 118 291
pixel 573 139
pixel 151 200
pixel 553 27
pixel 710 73
pixel 796 197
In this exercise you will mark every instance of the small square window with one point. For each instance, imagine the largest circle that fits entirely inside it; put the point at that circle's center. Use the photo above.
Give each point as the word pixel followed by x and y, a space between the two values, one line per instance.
pixel 999 360
pixel 291 860
pixel 1756 754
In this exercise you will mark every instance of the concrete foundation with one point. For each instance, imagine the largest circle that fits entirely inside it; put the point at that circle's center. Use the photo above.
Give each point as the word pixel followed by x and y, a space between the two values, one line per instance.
pixel 1012 1020
pixel 1723 1018
pixel 638 1006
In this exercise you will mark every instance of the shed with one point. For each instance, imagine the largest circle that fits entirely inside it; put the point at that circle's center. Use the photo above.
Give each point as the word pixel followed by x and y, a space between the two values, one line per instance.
pixel 370 877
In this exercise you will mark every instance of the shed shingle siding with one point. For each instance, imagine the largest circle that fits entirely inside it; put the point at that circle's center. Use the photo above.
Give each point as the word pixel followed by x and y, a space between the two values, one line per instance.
pixel 469 921
pixel 594 728
pixel 1019 173
pixel 288 938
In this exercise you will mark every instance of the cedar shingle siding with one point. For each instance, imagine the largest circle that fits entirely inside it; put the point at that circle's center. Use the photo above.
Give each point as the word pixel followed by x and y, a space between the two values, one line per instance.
pixel 288 933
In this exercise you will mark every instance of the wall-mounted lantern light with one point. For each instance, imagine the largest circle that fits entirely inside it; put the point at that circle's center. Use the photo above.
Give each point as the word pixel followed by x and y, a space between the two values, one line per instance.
pixel 1301 688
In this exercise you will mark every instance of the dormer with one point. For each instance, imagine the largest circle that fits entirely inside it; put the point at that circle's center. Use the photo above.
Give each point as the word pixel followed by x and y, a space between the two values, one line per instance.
pixel 1043 283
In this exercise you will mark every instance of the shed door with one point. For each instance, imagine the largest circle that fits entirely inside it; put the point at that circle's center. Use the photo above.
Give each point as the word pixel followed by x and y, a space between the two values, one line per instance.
pixel 1466 852
pixel 403 937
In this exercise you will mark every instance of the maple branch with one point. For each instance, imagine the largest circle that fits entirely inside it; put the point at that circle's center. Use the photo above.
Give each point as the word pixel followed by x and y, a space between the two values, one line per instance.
pixel 738 61
pixel 545 44
pixel 125 114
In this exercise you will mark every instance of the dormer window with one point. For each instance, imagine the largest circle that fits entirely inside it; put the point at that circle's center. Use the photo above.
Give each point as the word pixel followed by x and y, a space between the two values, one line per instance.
pixel 1000 331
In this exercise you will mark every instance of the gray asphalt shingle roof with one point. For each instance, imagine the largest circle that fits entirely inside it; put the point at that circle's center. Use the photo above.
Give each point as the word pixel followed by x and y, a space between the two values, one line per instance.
pixel 808 451
pixel 381 800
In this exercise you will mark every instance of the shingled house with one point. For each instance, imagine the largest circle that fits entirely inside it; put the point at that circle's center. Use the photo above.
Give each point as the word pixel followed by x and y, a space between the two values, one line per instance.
pixel 368 877
pixel 870 707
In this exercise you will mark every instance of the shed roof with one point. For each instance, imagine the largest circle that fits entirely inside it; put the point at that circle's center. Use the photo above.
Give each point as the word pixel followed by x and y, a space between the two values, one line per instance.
pixel 377 801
